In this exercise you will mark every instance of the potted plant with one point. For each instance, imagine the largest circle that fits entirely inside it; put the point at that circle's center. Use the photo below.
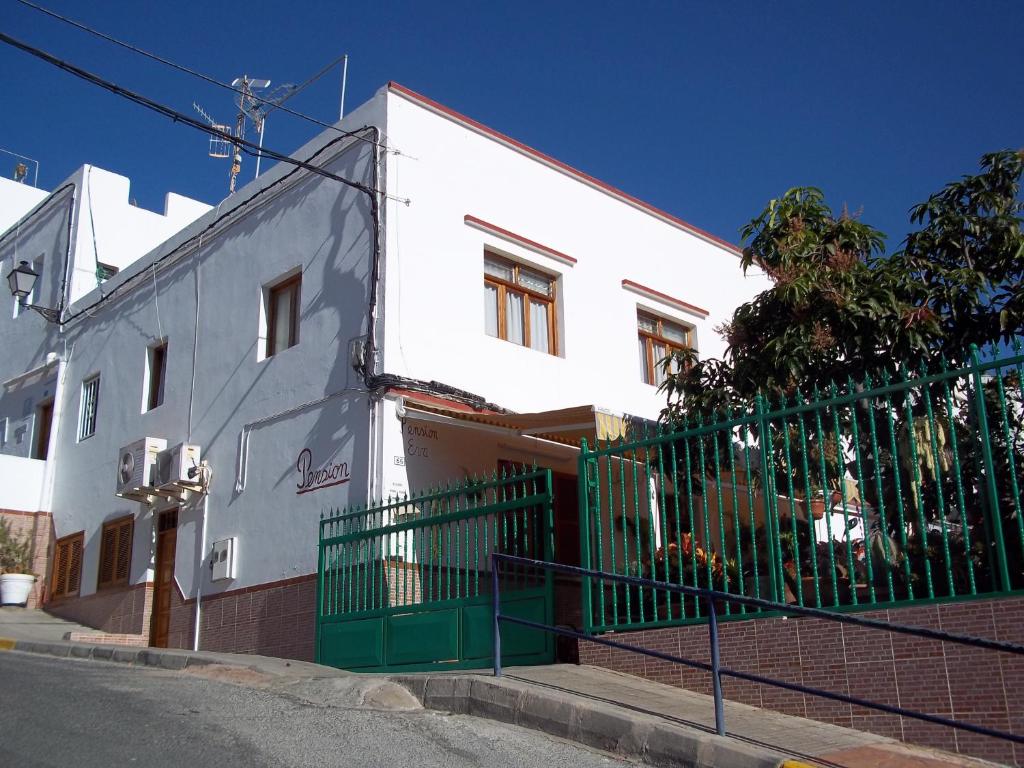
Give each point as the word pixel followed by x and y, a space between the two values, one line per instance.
pixel 818 505
pixel 16 577
pixel 820 501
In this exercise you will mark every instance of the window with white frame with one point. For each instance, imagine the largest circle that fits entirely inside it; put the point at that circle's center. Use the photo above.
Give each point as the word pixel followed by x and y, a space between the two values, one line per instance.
pixel 90 403
pixel 659 338
pixel 519 304
pixel 156 374
pixel 280 321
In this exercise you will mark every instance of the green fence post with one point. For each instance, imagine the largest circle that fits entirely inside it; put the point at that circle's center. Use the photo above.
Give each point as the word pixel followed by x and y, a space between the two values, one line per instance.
pixel 585 491
pixel 991 493
pixel 319 589
pixel 764 437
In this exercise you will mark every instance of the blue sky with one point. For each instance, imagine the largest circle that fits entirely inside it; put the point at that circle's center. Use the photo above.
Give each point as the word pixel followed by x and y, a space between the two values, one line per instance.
pixel 706 110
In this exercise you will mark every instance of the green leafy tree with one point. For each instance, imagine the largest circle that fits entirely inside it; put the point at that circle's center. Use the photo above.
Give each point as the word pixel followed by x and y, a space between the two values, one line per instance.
pixel 839 307
pixel 841 311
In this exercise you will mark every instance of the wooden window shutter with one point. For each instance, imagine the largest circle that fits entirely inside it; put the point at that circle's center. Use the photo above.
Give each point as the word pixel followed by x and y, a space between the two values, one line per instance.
pixel 124 551
pixel 67 566
pixel 75 565
pixel 60 569
pixel 115 553
pixel 108 548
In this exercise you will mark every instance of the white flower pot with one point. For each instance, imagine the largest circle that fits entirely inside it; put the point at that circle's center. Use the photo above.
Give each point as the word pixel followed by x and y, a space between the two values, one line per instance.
pixel 15 588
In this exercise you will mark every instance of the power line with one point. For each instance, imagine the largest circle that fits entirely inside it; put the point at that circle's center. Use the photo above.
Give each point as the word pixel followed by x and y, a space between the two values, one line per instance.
pixel 179 117
pixel 190 71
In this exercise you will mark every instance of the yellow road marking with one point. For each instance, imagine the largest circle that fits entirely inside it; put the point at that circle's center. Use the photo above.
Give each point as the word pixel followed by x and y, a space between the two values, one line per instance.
pixel 6 644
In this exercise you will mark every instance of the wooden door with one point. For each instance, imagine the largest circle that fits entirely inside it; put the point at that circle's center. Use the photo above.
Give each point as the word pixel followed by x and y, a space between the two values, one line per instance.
pixel 166 539
pixel 567 519
pixel 44 418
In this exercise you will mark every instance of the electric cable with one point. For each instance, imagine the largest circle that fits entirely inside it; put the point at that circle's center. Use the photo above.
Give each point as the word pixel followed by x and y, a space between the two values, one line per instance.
pixel 190 71
pixel 373 381
pixel 178 117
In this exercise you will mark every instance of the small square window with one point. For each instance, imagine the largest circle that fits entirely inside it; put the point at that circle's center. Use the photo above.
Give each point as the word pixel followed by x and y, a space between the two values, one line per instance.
pixel 658 339
pixel 89 404
pixel 283 315
pixel 156 375
pixel 519 304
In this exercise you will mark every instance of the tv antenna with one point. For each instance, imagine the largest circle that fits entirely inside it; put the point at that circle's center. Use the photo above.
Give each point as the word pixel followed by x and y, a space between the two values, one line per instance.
pixel 219 146
pixel 255 102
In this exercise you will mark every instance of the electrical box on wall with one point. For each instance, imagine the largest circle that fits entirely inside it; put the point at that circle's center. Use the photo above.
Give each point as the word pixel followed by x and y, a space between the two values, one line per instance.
pixel 222 560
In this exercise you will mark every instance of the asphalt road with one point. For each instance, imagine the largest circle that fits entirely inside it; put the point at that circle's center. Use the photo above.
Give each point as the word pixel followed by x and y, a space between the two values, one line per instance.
pixel 62 712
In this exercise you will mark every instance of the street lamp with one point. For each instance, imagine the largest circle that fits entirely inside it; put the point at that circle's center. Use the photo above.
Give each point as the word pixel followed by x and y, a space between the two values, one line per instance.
pixel 22 280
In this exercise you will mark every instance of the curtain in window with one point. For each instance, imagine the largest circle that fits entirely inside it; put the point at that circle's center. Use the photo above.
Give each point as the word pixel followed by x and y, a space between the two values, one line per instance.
pixel 491 310
pixel 644 373
pixel 660 353
pixel 538 326
pixel 514 316
pixel 282 319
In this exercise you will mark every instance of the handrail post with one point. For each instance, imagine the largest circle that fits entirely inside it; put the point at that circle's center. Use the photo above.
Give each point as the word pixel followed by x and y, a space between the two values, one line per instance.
pixel 496 602
pixel 583 476
pixel 319 590
pixel 991 492
pixel 764 438
pixel 716 667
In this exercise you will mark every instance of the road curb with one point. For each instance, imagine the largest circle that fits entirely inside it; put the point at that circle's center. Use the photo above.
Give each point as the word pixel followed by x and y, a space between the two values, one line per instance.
pixel 595 724
pixel 148 657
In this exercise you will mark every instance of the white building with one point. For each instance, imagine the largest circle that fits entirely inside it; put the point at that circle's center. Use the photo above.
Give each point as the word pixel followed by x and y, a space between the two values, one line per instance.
pixel 321 342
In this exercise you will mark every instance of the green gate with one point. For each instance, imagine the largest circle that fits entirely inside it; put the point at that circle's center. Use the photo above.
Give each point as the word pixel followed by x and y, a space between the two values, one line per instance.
pixel 406 585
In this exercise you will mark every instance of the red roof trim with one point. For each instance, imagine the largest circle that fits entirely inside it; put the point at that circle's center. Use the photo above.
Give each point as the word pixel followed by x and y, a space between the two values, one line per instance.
pixel 524 241
pixel 558 164
pixel 422 397
pixel 684 305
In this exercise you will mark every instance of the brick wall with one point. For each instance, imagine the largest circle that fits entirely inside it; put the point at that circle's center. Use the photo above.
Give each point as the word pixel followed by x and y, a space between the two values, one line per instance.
pixel 978 686
pixel 38 526
pixel 276 619
pixel 118 610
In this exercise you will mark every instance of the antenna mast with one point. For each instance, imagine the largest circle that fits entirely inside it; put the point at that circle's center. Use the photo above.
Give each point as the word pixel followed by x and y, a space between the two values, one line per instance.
pixel 256 107
pixel 248 107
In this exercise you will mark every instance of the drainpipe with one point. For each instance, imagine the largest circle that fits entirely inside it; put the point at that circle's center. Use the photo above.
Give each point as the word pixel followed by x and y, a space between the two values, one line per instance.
pixel 202 554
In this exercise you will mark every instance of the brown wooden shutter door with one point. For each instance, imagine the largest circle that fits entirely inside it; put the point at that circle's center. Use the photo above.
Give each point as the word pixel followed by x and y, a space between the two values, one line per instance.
pixel 75 565
pixel 124 551
pixel 108 549
pixel 60 569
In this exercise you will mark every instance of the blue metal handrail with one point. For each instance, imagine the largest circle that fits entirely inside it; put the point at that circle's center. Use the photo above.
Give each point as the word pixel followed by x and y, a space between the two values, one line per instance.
pixel 715 667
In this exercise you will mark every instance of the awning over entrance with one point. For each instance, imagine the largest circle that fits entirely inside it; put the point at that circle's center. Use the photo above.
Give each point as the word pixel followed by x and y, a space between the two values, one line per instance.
pixel 566 425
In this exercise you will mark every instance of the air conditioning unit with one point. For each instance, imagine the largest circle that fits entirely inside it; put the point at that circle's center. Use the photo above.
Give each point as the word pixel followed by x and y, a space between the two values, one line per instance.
pixel 177 468
pixel 135 464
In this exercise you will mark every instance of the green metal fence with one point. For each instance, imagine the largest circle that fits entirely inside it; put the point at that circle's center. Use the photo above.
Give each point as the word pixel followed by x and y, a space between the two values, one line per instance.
pixel 900 488
pixel 406 584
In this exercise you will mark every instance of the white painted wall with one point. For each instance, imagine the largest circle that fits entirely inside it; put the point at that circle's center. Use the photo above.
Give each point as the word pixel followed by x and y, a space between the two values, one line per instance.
pixel 434 271
pixel 253 417
pixel 113 231
pixel 21 483
pixel 205 300
pixel 16 200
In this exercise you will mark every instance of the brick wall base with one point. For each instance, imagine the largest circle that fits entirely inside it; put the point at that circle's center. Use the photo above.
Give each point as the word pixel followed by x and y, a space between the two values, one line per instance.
pixel 118 610
pixel 38 527
pixel 276 619
pixel 978 686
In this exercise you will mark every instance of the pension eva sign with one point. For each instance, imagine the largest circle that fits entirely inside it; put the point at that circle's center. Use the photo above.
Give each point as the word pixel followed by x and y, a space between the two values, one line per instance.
pixel 314 477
